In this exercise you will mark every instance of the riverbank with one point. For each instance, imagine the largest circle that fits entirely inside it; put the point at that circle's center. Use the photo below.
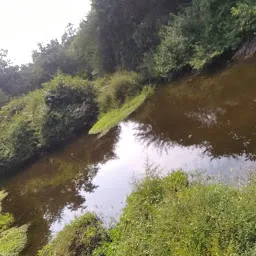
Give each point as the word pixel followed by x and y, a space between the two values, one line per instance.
pixel 43 118
pixel 46 117
pixel 174 215
pixel 13 239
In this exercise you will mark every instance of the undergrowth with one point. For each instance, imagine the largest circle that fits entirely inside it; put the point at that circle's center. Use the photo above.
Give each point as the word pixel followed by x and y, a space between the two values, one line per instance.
pixel 116 115
pixel 175 215
pixel 12 239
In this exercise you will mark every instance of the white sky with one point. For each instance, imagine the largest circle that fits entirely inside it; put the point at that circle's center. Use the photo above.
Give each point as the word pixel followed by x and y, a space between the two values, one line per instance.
pixel 24 23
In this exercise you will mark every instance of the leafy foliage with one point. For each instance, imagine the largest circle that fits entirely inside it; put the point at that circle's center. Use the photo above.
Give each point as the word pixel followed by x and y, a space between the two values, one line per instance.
pixel 202 32
pixel 245 14
pixel 169 216
pixel 80 237
pixel 3 98
pixel 12 239
pixel 174 215
pixel 116 89
pixel 44 117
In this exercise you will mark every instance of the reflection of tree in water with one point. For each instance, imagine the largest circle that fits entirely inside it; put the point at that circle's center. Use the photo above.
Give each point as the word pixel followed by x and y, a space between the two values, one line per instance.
pixel 40 193
pixel 217 114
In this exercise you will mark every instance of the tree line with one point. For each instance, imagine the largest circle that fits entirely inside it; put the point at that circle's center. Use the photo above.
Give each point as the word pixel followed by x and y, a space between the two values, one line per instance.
pixel 153 37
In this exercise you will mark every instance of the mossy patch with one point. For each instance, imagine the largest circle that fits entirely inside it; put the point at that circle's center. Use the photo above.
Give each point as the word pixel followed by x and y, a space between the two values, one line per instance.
pixel 13 240
pixel 81 237
pixel 115 116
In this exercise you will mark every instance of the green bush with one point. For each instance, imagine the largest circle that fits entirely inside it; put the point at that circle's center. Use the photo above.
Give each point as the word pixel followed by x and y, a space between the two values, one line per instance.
pixel 13 241
pixel 44 117
pixel 203 31
pixel 174 215
pixel 245 14
pixel 116 89
pixel 81 237
pixel 169 216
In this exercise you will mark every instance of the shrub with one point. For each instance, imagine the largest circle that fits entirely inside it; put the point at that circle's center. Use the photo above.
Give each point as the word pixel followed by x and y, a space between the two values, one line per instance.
pixel 44 117
pixel 245 14
pixel 169 216
pixel 81 237
pixel 118 88
pixel 69 109
pixel 12 239
pixel 202 32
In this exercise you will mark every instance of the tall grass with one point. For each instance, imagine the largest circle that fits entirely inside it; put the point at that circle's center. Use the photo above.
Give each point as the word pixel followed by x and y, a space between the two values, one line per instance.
pixel 116 89
pixel 178 216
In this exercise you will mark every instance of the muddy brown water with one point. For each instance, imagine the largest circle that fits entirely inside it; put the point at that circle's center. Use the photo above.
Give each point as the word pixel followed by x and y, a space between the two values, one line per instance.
pixel 205 122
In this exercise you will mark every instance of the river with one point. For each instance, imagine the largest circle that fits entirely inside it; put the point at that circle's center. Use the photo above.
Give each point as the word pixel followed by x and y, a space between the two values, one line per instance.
pixel 205 122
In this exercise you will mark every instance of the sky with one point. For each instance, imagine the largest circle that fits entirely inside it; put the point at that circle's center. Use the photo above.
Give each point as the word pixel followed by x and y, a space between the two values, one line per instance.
pixel 24 23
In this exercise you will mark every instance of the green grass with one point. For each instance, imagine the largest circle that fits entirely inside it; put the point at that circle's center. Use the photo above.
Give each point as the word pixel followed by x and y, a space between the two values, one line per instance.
pixel 13 241
pixel 170 216
pixel 44 117
pixel 115 116
pixel 80 237
pixel 178 216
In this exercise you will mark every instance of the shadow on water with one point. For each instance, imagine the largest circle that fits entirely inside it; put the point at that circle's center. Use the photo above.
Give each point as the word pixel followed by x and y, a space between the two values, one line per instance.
pixel 201 122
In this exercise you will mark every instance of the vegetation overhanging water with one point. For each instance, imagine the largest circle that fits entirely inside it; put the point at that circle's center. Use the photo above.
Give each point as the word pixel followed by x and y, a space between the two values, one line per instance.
pixel 103 71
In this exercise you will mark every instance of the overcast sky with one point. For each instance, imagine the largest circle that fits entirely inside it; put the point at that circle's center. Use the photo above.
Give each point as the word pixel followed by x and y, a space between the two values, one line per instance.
pixel 24 23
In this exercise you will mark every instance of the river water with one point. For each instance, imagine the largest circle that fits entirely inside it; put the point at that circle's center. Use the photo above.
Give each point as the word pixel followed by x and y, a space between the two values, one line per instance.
pixel 205 122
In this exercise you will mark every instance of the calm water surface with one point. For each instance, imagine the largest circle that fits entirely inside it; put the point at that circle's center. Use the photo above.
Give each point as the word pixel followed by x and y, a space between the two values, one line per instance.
pixel 207 122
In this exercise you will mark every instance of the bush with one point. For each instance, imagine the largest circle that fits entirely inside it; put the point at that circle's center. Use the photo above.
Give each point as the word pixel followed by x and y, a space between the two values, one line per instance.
pixel 44 117
pixel 174 215
pixel 169 216
pixel 203 31
pixel 13 241
pixel 118 88
pixel 81 237
pixel 245 14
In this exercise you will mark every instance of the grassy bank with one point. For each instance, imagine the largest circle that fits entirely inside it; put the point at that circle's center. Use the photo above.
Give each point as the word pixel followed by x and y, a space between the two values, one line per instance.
pixel 12 239
pixel 172 216
pixel 115 116
pixel 45 117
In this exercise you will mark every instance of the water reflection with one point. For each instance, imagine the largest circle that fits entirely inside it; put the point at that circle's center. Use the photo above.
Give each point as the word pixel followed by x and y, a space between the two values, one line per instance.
pixel 215 113
pixel 41 193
